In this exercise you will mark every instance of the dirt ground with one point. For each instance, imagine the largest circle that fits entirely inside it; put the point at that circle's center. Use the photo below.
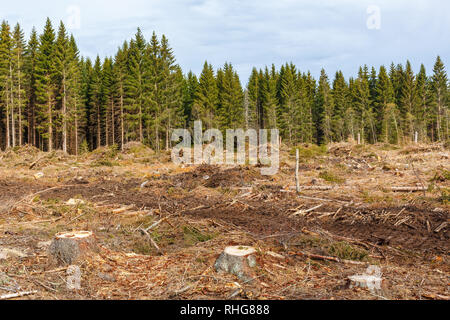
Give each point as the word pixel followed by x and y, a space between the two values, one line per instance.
pixel 347 217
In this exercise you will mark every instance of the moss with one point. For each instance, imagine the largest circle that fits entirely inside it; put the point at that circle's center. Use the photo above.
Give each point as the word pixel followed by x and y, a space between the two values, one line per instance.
pixel 193 235
pixel 104 163
pixel 309 151
pixel 445 196
pixel 343 250
pixel 441 176
pixel 331 177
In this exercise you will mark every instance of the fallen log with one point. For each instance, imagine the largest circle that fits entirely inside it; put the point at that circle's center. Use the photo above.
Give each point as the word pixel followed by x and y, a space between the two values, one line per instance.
pixel 17 295
pixel 314 188
pixel 409 189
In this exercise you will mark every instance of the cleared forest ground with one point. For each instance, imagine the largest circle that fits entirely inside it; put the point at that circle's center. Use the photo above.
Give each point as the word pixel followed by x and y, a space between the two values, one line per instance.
pixel 357 221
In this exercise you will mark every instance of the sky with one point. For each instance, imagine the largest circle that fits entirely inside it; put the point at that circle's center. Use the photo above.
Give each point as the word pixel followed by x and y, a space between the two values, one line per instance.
pixel 315 34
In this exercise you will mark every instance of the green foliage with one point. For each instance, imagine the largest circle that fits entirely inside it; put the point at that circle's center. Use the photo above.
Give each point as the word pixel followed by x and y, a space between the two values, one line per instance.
pixel 309 151
pixel 331 177
pixel 343 250
pixel 193 235
pixel 51 97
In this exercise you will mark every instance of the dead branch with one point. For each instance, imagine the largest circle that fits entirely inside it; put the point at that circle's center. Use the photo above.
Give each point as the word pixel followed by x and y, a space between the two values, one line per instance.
pixel 409 189
pixel 17 295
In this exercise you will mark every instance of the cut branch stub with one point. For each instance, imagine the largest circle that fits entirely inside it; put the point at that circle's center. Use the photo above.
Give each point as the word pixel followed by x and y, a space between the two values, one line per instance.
pixel 68 248
pixel 237 260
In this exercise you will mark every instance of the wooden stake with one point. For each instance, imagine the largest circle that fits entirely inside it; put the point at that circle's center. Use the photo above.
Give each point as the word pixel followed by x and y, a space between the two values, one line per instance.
pixel 297 179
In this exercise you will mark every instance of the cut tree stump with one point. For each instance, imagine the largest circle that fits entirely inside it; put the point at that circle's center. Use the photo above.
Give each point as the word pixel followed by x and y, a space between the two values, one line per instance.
pixel 238 260
pixel 69 248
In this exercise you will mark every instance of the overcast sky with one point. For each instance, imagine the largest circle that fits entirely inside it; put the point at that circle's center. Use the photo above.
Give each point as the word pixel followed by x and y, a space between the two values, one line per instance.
pixel 313 34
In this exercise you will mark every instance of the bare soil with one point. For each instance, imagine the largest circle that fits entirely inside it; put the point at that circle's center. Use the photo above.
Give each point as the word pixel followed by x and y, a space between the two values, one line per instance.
pixel 361 222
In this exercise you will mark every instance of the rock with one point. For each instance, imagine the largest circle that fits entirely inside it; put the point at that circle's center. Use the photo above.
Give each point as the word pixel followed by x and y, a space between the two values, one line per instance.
pixel 69 248
pixel 11 253
pixel 39 175
pixel 238 260
pixel 75 202
pixel 106 277
pixel 43 245
pixel 144 184
pixel 276 255
pixel 372 279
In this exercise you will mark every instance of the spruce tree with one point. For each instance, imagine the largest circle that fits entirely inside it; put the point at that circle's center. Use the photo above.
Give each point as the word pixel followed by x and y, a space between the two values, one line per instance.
pixel 231 99
pixel 340 94
pixel 31 85
pixel 422 111
pixel 137 83
pixel 96 105
pixel 17 59
pixel 408 101
pixel 45 73
pixel 206 98
pixel 189 89
pixel 5 79
pixel 120 75
pixel 439 89
pixel 325 104
pixel 386 110
pixel 253 101
pixel 63 68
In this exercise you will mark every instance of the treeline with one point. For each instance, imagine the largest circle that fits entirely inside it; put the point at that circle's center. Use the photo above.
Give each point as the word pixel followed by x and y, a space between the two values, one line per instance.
pixel 53 98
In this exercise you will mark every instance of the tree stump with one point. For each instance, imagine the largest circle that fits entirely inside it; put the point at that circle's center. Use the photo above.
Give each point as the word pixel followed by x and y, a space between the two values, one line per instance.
pixel 238 260
pixel 68 248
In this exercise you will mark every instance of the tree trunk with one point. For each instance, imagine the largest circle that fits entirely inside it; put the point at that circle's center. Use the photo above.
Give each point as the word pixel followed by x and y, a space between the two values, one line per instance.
pixel 50 124
pixel 113 131
pixel 99 143
pixel 72 247
pixel 64 115
pixel 122 130
pixel 20 104
pixel 237 260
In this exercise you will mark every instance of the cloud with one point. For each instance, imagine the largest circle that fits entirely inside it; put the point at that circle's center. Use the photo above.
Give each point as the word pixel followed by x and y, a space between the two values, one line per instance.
pixel 312 34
